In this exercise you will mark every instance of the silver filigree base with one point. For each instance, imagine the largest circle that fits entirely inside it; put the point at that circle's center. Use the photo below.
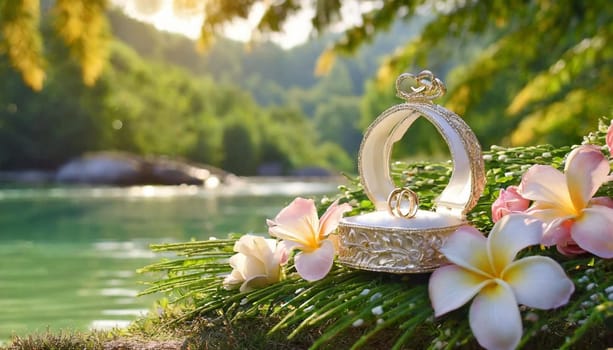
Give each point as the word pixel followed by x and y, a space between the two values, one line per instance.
pixel 392 250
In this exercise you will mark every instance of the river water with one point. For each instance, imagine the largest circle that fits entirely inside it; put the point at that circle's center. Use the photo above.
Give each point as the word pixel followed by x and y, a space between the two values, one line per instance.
pixel 69 255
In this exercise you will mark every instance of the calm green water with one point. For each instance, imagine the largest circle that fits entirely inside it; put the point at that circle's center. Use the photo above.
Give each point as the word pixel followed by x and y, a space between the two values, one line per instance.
pixel 68 256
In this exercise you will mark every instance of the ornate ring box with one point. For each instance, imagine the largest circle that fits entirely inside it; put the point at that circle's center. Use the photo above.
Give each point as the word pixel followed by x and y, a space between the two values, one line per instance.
pixel 383 241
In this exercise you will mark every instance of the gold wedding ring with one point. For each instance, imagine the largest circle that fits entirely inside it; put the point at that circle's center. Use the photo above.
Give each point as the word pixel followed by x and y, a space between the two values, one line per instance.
pixel 403 202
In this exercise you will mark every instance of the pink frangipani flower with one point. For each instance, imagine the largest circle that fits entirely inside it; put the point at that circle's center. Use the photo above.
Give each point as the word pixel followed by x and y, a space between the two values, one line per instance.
pixel 298 226
pixel 508 201
pixel 574 221
pixel 484 268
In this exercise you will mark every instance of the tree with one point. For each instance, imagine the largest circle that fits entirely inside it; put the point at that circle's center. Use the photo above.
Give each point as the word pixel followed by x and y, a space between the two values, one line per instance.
pixel 241 155
pixel 81 24
pixel 337 121
pixel 143 107
pixel 541 66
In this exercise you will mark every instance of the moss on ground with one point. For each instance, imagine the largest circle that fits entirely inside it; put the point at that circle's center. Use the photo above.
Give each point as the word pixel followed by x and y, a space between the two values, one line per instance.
pixel 252 333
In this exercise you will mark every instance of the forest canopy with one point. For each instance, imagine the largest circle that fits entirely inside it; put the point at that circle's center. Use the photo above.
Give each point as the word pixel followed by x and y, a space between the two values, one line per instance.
pixel 150 107
pixel 518 72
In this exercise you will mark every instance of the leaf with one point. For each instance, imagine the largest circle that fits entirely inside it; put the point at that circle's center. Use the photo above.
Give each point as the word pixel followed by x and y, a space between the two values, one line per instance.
pixel 578 60
pixel 83 26
pixel 325 62
pixel 19 22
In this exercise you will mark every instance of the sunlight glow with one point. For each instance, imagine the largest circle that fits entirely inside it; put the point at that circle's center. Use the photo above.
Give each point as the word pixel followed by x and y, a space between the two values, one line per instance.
pixel 109 324
pixel 296 30
pixel 164 19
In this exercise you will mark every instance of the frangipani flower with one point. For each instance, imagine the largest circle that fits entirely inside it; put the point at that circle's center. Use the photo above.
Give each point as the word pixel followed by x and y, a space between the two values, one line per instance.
pixel 574 221
pixel 509 201
pixel 257 263
pixel 484 267
pixel 300 228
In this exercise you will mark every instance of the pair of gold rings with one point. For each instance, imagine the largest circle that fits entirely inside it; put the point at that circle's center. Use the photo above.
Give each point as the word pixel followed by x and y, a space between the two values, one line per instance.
pixel 403 202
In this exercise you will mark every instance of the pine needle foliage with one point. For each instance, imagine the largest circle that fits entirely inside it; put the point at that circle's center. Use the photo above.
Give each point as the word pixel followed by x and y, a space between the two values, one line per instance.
pixel 379 308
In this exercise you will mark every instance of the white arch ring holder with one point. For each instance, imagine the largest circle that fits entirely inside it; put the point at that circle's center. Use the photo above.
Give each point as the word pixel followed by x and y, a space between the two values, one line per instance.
pixel 385 240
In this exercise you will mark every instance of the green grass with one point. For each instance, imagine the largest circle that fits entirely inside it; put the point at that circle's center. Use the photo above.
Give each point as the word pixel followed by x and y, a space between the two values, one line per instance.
pixel 62 340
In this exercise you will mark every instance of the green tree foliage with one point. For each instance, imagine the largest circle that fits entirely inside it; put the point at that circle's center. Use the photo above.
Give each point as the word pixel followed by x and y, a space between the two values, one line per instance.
pixel 161 109
pixel 147 108
pixel 303 146
pixel 20 39
pixel 82 24
pixel 274 77
pixel 240 156
pixel 541 75
pixel 519 72
pixel 539 71
pixel 41 129
pixel 337 120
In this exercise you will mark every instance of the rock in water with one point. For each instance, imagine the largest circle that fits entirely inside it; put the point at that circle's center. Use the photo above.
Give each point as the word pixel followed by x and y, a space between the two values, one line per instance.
pixel 119 168
pixel 102 168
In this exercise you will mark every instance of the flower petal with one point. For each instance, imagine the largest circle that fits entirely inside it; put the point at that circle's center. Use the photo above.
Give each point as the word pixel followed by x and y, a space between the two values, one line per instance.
pixel 546 184
pixel 570 248
pixel 494 318
pixel 247 265
pixel 298 212
pixel 315 265
pixel 510 235
pixel 452 286
pixel 257 247
pixel 466 247
pixel 547 212
pixel 281 254
pixel 336 241
pixel 557 231
pixel 329 221
pixel 297 222
pixel 255 282
pixel 288 246
pixel 508 201
pixel 586 170
pixel 299 239
pixel 604 201
pixel 233 280
pixel 593 231
pixel 539 282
